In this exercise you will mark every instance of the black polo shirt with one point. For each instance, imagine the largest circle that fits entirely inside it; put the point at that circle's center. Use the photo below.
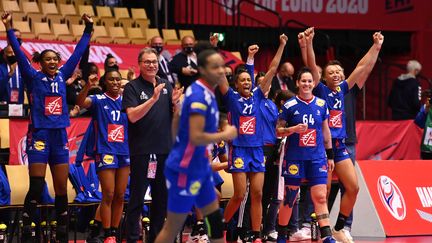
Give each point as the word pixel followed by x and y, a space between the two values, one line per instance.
pixel 152 133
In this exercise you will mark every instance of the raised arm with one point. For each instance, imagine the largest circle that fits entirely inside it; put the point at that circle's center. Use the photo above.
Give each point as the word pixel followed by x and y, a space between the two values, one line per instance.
pixel 68 68
pixel 82 100
pixel 25 67
pixel 250 63
pixel 303 47
pixel 311 62
pixel 366 64
pixel 265 85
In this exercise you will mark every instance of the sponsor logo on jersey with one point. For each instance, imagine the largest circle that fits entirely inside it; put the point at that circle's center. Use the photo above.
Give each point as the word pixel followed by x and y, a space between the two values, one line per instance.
pixel 108 159
pixel 39 145
pixel 293 169
pixel 53 105
pixel 335 120
pixel 290 103
pixel 239 163
pixel 106 107
pixel 320 102
pixel 115 133
pixel 338 89
pixel 164 91
pixel 323 169
pixel 308 138
pixel 247 125
pixel 391 197
pixel 198 105
pixel 143 96
pixel 296 113
pixel 194 188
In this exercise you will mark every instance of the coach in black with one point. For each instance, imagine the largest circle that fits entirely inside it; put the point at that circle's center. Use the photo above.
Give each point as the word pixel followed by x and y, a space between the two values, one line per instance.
pixel 148 102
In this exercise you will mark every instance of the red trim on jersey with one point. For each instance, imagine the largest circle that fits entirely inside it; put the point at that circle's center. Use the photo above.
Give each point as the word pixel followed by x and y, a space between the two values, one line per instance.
pixel 113 98
pixel 182 180
pixel 187 156
pixel 206 85
pixel 304 100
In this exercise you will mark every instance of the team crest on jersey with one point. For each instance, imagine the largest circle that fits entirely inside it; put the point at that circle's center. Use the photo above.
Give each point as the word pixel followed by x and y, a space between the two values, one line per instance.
pixel 320 102
pixel 53 105
pixel 308 138
pixel 108 159
pixel 335 120
pixel 290 103
pixel 247 125
pixel 39 145
pixel 194 188
pixel 293 169
pixel 115 133
pixel 239 163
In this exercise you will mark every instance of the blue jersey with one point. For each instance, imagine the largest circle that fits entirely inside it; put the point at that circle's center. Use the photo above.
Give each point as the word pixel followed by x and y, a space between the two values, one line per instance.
pixel 310 144
pixel 12 86
pixel 270 115
pixel 48 95
pixel 245 114
pixel 110 125
pixel 336 106
pixel 184 156
pixel 218 149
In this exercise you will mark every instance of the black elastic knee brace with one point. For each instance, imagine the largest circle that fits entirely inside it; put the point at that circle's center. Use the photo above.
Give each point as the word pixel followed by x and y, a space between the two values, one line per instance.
pixel 290 196
pixel 215 226
pixel 32 198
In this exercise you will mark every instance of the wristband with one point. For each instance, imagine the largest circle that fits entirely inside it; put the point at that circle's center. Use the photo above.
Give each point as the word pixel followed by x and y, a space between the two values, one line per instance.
pixel 88 28
pixel 330 153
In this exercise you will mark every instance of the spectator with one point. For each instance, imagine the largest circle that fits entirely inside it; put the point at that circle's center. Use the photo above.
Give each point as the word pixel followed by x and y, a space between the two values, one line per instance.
pixel 424 120
pixel 404 99
pixel 11 81
pixel 283 79
pixel 184 64
pixel 148 102
pixel 164 72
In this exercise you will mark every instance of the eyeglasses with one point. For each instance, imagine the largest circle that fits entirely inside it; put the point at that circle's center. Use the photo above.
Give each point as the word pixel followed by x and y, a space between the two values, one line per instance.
pixel 148 63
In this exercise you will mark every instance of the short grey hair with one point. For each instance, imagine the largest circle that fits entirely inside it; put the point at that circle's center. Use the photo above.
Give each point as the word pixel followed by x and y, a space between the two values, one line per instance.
pixel 147 50
pixel 413 65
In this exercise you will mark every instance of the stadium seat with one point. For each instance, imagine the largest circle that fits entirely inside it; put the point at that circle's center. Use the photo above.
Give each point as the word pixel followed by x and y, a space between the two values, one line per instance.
pixel 19 184
pixel 100 35
pixel 86 9
pixel 30 7
pixel 136 35
pixel 123 17
pixel 140 17
pixel 11 6
pixel 19 16
pixel 69 13
pixel 170 37
pixel 77 30
pixel 24 27
pixel 2 30
pixel 4 133
pixel 150 33
pixel 61 32
pixel 184 33
pixel 118 35
pixel 49 9
pixel 55 19
pixel 43 31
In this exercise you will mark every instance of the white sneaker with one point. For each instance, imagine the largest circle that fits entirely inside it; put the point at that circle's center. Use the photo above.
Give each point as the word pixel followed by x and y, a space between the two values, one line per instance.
pixel 348 234
pixel 272 236
pixel 306 232
pixel 300 235
pixel 339 236
pixel 203 239
pixel 193 239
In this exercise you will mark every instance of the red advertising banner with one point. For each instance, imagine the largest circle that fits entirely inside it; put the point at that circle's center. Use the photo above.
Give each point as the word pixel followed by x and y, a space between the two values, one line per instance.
pixel 126 55
pixel 18 135
pixel 388 140
pixel 404 204
pixel 323 14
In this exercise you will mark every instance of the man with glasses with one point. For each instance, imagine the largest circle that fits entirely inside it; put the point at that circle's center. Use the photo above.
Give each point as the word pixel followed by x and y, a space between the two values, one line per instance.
pixel 184 64
pixel 149 103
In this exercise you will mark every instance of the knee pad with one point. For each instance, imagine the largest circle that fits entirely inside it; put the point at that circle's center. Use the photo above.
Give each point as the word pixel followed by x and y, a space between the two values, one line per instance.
pixel 215 226
pixel 37 184
pixel 290 196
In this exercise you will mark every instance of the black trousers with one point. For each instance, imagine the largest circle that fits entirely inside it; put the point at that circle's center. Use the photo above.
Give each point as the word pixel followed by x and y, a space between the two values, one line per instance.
pixel 138 187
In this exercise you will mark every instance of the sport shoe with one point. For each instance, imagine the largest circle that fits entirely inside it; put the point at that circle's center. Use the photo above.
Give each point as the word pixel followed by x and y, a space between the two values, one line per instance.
pixel 348 234
pixel 110 239
pixel 203 238
pixel 193 238
pixel 329 239
pixel 299 236
pixel 340 236
pixel 306 231
pixel 281 239
pixel 271 236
